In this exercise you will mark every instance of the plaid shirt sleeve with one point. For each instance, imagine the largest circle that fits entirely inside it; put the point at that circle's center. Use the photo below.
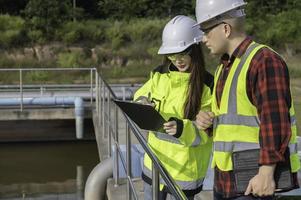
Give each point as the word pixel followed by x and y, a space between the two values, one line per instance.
pixel 268 89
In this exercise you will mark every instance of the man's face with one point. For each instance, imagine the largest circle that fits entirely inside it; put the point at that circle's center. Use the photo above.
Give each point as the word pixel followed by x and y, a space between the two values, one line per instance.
pixel 214 36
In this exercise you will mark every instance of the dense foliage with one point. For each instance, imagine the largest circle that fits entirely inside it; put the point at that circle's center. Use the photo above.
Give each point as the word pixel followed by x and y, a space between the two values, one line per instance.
pixel 123 26
pixel 276 22
pixel 44 17
pixel 148 8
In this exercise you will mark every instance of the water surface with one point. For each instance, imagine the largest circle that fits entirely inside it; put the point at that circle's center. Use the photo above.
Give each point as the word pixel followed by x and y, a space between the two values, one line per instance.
pixel 49 169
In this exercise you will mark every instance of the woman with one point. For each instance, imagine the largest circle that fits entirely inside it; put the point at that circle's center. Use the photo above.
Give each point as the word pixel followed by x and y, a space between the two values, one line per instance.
pixel 179 89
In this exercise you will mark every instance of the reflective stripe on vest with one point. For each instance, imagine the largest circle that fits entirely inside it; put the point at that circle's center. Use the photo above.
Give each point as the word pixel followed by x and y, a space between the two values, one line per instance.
pixel 166 137
pixel 172 139
pixel 240 146
pixel 234 146
pixel 232 105
pixel 236 119
pixel 241 120
pixel 293 120
pixel 293 148
pixel 184 185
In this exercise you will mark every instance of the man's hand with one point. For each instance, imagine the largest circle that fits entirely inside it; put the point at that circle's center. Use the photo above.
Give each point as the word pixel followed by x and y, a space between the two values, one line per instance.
pixel 204 120
pixel 263 184
pixel 170 127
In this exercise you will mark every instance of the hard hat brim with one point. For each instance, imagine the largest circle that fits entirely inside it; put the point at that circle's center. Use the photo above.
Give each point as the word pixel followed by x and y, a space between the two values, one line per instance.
pixel 164 50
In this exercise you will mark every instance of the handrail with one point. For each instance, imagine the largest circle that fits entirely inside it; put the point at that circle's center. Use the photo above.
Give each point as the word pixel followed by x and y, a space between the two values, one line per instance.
pixel 87 89
pixel 106 94
pixel 22 70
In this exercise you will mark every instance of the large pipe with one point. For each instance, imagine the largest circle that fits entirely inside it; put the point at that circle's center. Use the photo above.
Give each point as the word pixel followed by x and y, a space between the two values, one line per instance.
pixel 97 180
pixel 76 101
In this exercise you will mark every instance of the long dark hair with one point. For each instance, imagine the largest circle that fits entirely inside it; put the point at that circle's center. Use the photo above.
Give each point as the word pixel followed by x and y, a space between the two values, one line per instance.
pixel 196 81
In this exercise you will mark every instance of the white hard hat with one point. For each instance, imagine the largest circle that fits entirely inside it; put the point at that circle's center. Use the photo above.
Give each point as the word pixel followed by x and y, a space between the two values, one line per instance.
pixel 209 9
pixel 178 34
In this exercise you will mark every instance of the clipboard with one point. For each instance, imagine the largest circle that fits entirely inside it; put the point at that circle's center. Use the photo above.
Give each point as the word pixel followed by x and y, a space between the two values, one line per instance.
pixel 245 167
pixel 145 116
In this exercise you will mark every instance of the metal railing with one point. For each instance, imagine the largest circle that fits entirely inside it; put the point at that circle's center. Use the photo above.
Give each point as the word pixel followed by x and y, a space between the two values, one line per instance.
pixel 21 72
pixel 104 107
pixel 101 95
pixel 87 89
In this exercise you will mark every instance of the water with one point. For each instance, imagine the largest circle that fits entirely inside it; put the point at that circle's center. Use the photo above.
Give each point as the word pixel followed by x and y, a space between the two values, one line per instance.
pixel 46 170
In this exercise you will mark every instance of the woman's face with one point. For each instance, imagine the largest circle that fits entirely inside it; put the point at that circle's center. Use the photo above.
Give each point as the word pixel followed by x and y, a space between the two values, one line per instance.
pixel 181 60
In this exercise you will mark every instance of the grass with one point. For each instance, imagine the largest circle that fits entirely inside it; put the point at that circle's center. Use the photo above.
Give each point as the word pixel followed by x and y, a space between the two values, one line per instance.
pixel 293 64
pixel 138 70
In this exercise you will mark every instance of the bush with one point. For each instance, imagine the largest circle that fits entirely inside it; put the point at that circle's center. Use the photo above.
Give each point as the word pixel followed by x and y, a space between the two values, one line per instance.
pixel 74 60
pixel 36 76
pixel 69 60
pixel 116 35
pixel 12 31
pixel 8 22
pixel 90 31
pixel 277 29
pixel 140 30
pixel 36 36
pixel 286 27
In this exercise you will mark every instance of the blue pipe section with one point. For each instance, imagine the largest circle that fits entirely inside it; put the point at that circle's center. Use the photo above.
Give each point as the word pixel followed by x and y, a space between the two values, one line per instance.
pixel 39 101
pixel 46 101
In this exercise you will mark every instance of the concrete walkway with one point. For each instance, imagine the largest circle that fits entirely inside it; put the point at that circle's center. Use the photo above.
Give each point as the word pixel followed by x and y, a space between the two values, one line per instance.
pixel 119 192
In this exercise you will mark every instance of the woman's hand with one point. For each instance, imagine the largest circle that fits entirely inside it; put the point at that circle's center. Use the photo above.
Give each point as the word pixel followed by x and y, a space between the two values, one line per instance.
pixel 170 127
pixel 204 120
pixel 145 101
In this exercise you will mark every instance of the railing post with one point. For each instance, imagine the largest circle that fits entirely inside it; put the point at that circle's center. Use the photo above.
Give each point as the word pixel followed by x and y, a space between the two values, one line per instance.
pixel 128 161
pixel 100 100
pixel 91 86
pixel 104 112
pixel 41 91
pixel 123 93
pixel 21 91
pixel 97 92
pixel 155 182
pixel 116 142
pixel 109 124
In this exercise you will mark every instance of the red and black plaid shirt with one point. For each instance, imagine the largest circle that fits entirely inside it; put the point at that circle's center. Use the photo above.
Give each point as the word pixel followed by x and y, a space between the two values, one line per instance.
pixel 268 90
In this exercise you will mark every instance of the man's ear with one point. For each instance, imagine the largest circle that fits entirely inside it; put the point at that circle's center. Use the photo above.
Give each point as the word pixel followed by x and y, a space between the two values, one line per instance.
pixel 227 29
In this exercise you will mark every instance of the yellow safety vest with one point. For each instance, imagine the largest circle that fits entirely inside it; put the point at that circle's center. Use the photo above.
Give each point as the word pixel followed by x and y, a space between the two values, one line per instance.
pixel 185 158
pixel 236 125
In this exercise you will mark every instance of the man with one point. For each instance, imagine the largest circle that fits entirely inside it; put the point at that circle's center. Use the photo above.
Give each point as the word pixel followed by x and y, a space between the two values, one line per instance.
pixel 251 107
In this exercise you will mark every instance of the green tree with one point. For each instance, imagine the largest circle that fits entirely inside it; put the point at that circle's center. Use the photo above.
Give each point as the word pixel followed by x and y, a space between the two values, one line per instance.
pixel 120 9
pixel 260 8
pixel 44 17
